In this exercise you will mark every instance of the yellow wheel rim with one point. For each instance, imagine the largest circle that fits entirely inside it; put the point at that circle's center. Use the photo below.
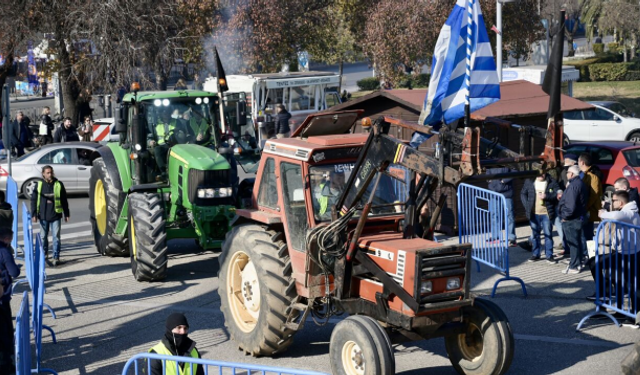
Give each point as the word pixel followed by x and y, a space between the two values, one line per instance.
pixel 100 207
pixel 243 291
pixel 132 240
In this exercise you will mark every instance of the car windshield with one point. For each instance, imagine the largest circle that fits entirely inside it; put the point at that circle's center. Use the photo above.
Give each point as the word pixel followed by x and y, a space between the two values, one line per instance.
pixel 191 116
pixel 328 182
pixel 620 109
pixel 633 157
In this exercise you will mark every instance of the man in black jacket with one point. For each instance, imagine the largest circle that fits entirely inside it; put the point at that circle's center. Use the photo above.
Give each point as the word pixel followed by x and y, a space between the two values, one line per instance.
pixel 540 199
pixel 572 210
pixel 622 184
pixel 66 133
pixel 282 122
pixel 48 204
pixel 21 134
pixel 504 186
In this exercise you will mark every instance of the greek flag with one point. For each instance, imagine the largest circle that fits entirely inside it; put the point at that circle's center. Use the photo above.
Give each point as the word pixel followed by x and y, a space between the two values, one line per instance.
pixel 463 69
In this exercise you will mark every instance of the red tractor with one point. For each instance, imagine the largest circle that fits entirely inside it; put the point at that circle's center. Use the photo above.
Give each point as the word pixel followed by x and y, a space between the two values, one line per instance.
pixel 332 230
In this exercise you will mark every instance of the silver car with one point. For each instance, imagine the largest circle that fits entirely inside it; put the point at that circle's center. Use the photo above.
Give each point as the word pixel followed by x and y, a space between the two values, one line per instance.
pixel 70 161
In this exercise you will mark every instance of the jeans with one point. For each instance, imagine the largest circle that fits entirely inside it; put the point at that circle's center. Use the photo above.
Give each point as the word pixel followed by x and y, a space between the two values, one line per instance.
pixel 573 236
pixel 54 225
pixel 511 223
pixel 542 223
pixel 558 225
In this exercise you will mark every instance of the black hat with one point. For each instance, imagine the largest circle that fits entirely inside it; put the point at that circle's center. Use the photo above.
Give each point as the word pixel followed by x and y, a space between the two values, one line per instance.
pixel 176 319
pixel 570 157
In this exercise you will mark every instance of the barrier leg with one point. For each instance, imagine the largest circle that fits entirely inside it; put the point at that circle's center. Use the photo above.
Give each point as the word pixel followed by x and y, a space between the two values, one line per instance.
pixel 594 313
pixel 16 283
pixel 478 264
pixel 507 277
pixel 53 334
pixel 47 370
pixel 53 314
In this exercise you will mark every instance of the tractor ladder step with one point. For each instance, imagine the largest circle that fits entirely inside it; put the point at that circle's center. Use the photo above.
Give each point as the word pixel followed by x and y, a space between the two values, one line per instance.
pixel 295 321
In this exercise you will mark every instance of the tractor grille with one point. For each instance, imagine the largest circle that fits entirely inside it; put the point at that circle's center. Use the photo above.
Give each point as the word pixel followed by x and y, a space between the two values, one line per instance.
pixel 445 262
pixel 208 179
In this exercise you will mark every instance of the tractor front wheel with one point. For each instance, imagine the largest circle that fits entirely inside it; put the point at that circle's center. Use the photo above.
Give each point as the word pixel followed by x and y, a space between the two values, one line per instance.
pixel 256 289
pixel 486 346
pixel 147 237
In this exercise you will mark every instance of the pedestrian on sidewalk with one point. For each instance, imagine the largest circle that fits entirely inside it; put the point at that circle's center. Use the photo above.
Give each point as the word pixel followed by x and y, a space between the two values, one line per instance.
pixel 8 271
pixel 66 133
pixel 177 343
pixel 569 160
pixel 503 186
pixel 21 134
pixel 594 201
pixel 49 204
pixel 540 200
pixel 86 129
pixel 572 212
pixel 46 121
pixel 282 122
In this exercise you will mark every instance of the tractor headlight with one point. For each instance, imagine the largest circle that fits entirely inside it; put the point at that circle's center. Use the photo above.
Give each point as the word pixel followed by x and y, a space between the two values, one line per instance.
pixel 215 193
pixel 453 283
pixel 426 287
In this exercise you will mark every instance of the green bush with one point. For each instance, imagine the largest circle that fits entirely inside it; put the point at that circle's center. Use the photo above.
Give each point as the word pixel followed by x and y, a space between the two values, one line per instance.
pixel 632 75
pixel 598 48
pixel 613 47
pixel 422 80
pixel 612 71
pixel 368 84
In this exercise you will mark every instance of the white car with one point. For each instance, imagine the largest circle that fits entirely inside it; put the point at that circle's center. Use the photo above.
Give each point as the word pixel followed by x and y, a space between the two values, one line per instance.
pixel 610 121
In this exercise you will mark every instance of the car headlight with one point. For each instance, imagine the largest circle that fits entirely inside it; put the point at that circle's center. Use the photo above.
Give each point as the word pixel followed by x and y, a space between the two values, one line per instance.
pixel 453 283
pixel 215 193
pixel 426 287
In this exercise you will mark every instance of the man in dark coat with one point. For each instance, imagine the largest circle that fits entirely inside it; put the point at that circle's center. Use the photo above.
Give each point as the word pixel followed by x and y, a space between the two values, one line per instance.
pixel 66 132
pixel 8 271
pixel 21 134
pixel 282 122
pixel 572 211
pixel 504 186
pixel 540 198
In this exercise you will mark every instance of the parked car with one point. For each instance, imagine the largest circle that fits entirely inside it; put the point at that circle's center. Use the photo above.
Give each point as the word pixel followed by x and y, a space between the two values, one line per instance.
pixel 70 162
pixel 610 121
pixel 614 158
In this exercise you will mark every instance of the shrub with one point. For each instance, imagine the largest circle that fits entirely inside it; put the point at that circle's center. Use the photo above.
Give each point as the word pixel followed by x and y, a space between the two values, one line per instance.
pixel 598 48
pixel 632 75
pixel 613 47
pixel 368 84
pixel 612 71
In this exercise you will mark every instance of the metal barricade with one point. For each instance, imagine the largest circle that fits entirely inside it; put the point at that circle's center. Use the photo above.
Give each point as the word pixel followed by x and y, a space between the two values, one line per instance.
pixel 27 247
pixel 23 341
pixel 616 268
pixel 483 222
pixel 38 302
pixel 219 367
pixel 12 199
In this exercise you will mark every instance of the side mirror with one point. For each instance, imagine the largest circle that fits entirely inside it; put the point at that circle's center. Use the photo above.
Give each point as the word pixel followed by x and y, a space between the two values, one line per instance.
pixel 121 121
pixel 616 118
pixel 241 113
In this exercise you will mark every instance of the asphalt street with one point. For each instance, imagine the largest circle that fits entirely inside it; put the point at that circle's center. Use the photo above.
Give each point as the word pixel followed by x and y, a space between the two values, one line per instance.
pixel 105 316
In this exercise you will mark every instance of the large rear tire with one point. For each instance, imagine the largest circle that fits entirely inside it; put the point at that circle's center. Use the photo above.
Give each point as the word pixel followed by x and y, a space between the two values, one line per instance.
pixel 256 289
pixel 487 345
pixel 104 212
pixel 359 346
pixel 147 237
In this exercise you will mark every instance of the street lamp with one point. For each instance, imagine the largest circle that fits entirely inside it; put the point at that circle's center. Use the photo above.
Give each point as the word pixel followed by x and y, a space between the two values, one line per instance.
pixel 499 35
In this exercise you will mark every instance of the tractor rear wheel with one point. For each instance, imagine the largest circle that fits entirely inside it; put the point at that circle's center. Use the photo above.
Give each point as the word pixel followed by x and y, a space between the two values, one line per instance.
pixel 147 237
pixel 256 289
pixel 486 347
pixel 359 346
pixel 104 209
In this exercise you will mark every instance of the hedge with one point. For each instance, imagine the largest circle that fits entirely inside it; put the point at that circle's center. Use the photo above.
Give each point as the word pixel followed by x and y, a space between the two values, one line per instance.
pixel 368 84
pixel 583 65
pixel 598 48
pixel 613 71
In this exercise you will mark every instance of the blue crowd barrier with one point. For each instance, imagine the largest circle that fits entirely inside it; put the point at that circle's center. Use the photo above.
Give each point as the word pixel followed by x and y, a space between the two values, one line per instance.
pixel 219 367
pixel 616 268
pixel 483 222
pixel 12 199
pixel 38 303
pixel 27 247
pixel 23 341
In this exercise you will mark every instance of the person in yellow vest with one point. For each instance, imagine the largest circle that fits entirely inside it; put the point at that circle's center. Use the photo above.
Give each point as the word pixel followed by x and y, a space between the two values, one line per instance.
pixel 49 204
pixel 326 194
pixel 198 126
pixel 176 343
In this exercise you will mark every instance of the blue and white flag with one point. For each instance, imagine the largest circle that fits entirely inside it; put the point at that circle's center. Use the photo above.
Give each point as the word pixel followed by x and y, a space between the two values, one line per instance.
pixel 462 68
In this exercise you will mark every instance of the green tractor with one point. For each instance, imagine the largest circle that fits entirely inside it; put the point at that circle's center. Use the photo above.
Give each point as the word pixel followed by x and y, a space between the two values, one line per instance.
pixel 170 176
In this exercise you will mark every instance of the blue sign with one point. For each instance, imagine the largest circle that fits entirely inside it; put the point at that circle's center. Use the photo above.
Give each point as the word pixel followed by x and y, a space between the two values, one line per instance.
pixel 509 75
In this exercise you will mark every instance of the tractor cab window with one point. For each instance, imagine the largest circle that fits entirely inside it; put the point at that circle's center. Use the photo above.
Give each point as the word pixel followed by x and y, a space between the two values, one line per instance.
pixel 179 121
pixel 328 182
pixel 268 193
pixel 294 205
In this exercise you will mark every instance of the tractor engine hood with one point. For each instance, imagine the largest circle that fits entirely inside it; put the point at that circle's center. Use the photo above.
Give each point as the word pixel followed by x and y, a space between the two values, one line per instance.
pixel 198 157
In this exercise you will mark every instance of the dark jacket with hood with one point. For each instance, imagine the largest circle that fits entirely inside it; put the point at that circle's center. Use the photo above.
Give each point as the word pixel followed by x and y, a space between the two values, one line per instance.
pixel 528 197
pixel 573 204
pixel 282 122
pixel 503 186
pixel 634 196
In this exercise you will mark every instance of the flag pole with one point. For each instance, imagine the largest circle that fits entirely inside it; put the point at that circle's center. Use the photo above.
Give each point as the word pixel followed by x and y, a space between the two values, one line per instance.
pixel 467 78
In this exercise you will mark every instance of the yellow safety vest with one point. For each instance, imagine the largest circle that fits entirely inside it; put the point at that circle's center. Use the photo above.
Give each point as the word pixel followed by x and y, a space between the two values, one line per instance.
pixel 198 127
pixel 170 366
pixel 160 130
pixel 323 200
pixel 57 187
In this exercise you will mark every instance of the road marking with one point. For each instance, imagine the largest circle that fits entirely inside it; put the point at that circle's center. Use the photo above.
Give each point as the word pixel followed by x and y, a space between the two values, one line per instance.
pixel 65 236
pixel 36 226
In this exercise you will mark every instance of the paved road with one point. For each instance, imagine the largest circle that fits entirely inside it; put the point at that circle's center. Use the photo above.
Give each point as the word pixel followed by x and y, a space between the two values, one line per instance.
pixel 104 316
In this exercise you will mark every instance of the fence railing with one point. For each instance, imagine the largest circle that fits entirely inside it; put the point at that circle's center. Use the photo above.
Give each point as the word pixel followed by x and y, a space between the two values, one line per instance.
pixel 23 341
pixel 483 222
pixel 209 366
pixel 616 270
pixel 12 198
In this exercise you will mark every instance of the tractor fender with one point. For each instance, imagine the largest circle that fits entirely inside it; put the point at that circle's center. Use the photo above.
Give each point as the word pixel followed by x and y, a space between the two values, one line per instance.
pixel 117 162
pixel 254 216
pixel 145 188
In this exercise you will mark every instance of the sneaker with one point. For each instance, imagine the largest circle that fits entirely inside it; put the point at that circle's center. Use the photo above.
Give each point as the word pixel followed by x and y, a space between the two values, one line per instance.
pixel 574 271
pixel 55 262
pixel 513 244
pixel 550 260
pixel 533 259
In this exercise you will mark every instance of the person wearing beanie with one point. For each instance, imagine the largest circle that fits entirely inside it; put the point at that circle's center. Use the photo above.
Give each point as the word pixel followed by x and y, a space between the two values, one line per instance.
pixel 8 271
pixel 572 211
pixel 176 342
